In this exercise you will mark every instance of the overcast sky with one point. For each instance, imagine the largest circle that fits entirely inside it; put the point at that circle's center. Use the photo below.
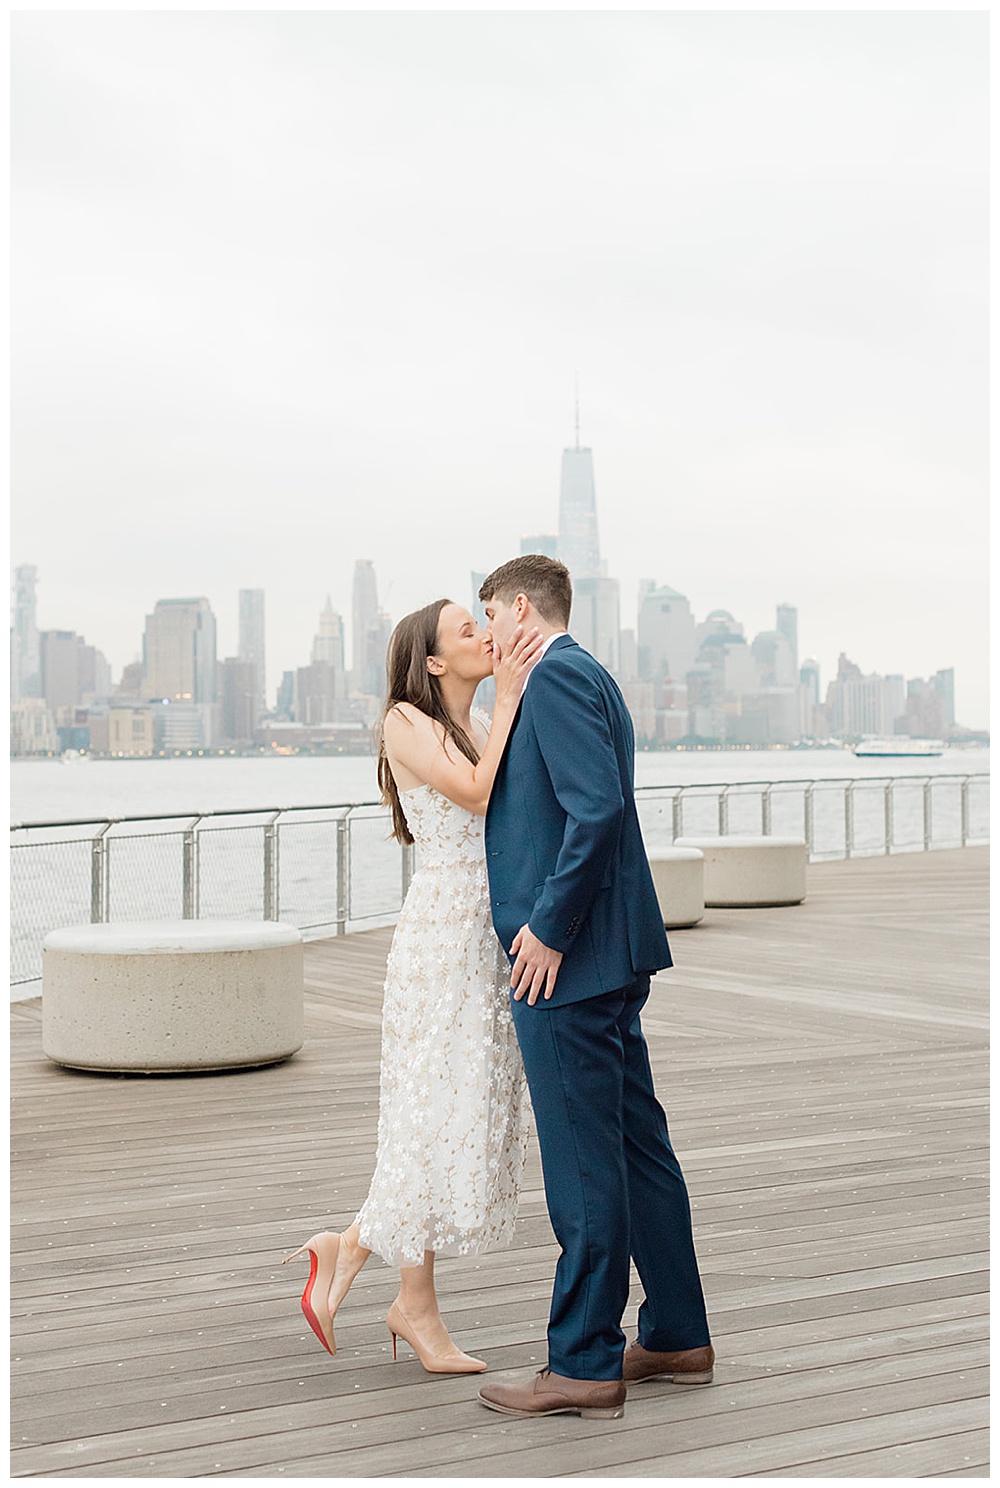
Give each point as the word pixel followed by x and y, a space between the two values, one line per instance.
pixel 294 288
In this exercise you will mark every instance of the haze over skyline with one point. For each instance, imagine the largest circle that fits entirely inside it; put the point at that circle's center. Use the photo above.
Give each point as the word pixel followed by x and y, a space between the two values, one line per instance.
pixel 295 288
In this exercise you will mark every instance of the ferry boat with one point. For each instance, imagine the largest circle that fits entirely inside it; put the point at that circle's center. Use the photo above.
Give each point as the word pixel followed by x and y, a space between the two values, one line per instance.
pixel 899 748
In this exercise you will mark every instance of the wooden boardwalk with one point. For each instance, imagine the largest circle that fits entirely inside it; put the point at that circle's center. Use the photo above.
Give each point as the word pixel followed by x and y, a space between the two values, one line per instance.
pixel 823 1070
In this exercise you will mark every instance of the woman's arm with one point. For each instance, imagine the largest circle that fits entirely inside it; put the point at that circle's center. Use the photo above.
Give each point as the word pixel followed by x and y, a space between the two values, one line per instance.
pixel 423 748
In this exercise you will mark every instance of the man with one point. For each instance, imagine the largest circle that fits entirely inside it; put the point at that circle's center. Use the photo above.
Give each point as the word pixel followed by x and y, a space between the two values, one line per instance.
pixel 573 902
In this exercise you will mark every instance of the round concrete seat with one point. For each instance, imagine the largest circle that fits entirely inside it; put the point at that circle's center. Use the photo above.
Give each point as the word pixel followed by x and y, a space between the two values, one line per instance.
pixel 751 872
pixel 172 995
pixel 679 880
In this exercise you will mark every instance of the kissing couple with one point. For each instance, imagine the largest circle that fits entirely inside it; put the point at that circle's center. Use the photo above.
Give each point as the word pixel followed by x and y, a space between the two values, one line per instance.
pixel 523 951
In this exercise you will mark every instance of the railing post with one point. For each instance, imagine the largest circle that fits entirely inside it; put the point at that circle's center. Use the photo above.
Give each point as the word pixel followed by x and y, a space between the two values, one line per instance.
pixel 408 856
pixel 724 811
pixel 343 874
pixel 965 810
pixel 99 877
pixel 887 813
pixel 807 809
pixel 678 814
pixel 765 811
pixel 928 821
pixel 191 882
pixel 849 819
pixel 272 866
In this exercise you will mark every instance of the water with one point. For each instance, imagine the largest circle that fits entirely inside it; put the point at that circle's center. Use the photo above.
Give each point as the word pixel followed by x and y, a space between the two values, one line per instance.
pixel 47 790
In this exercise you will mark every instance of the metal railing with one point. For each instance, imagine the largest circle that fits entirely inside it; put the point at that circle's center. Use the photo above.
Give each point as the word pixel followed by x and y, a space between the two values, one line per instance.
pixel 329 869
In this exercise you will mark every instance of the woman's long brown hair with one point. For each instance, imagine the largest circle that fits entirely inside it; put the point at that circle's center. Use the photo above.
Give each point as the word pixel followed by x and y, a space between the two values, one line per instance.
pixel 408 681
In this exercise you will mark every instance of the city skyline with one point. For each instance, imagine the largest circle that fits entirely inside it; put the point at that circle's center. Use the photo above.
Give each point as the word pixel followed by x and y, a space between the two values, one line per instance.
pixel 250 347
pixel 685 681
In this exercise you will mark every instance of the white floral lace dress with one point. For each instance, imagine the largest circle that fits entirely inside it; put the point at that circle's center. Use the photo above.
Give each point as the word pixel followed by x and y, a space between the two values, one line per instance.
pixel 453 1107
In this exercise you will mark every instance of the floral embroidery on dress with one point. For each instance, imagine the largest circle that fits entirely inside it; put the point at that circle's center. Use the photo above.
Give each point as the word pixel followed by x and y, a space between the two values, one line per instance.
pixel 453 1107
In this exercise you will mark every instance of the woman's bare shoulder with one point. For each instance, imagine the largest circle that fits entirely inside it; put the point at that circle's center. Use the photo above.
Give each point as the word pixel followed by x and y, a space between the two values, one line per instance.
pixel 406 716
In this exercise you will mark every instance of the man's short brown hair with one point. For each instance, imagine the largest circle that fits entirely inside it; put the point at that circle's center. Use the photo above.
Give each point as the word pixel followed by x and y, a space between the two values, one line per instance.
pixel 545 581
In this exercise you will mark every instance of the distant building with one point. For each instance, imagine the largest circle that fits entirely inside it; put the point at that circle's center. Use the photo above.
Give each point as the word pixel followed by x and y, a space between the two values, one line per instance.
pixel 131 732
pixel 706 711
pixel 93 675
pixel 665 634
pixel 32 728
pixel 771 715
pixel 775 658
pixel 944 685
pixel 859 705
pixel 809 678
pixel 251 640
pixel 578 545
pixel 813 723
pixel 639 699
pixel 179 727
pixel 25 661
pixel 71 671
pixel 316 693
pixel 59 652
pixel 629 656
pixel 930 706
pixel 328 644
pixel 365 675
pixel 285 703
pixel 546 543
pixel 178 653
pixel 130 683
pixel 179 669
pixel 673 721
pixel 787 624
pixel 596 622
pixel 240 700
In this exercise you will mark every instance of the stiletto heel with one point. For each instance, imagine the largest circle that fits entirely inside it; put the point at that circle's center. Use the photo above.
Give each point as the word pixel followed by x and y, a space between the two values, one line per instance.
pixel 452 1362
pixel 323 1249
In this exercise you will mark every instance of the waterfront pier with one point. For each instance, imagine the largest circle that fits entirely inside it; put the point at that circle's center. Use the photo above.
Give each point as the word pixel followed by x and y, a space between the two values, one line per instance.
pixel 823 1067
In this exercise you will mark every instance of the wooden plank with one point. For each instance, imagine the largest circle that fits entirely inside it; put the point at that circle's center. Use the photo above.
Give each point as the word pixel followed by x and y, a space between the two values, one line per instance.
pixel 826 1092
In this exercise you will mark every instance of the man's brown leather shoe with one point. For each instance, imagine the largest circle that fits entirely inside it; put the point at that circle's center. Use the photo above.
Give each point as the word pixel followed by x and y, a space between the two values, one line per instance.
pixel 686 1367
pixel 553 1394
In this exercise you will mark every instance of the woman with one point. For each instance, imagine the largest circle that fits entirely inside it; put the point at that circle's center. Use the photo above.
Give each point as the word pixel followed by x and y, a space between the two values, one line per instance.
pixel 451 1131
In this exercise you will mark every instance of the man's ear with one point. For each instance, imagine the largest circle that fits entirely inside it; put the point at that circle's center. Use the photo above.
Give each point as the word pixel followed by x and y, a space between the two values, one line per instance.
pixel 520 606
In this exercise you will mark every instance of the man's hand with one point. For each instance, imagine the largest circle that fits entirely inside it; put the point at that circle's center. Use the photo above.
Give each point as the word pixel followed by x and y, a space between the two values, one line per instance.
pixel 536 967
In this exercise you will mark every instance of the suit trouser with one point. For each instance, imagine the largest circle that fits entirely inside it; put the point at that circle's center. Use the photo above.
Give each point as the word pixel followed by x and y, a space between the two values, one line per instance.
pixel 612 1184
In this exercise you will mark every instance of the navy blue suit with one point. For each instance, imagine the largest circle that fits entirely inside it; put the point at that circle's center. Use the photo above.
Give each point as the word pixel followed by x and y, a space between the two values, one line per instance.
pixel 566 857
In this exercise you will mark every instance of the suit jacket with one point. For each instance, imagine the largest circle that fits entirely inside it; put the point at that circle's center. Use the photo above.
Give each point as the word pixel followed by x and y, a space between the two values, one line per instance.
pixel 563 847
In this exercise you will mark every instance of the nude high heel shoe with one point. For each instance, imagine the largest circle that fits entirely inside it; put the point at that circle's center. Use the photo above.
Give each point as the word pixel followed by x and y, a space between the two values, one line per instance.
pixel 452 1362
pixel 323 1249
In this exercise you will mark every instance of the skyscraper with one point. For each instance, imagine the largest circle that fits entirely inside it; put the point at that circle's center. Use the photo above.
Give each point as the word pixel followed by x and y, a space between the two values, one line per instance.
pixel 546 543
pixel 328 642
pixel 809 679
pixel 178 663
pixel 787 624
pixel 25 669
pixel 251 643
pixel 364 621
pixel 665 635
pixel 60 659
pixel 579 547
pixel 239 699
pixel 596 620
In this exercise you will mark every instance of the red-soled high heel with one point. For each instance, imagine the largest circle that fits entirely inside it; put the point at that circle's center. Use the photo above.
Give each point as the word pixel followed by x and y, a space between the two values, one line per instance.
pixel 322 1250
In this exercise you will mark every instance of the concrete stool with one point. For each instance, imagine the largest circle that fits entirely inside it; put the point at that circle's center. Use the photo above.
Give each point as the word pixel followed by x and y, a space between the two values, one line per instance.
pixel 172 995
pixel 751 872
pixel 679 880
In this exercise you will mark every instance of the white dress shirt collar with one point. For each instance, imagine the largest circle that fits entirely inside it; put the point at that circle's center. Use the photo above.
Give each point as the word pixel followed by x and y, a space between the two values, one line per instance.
pixel 545 646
